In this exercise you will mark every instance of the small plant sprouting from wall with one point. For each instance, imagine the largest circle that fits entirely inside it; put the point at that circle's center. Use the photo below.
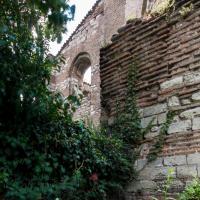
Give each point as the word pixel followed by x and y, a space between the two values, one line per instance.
pixel 162 7
pixel 185 10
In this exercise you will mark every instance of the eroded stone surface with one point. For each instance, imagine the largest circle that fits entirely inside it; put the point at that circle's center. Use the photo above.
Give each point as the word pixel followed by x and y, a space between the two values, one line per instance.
pixel 196 123
pixel 196 96
pixel 193 158
pixel 192 77
pixel 172 83
pixel 191 113
pixel 180 126
pixel 173 101
pixel 187 171
pixel 153 110
pixel 175 160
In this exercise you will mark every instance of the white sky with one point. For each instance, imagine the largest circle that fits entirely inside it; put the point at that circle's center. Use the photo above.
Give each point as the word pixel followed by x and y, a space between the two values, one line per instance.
pixel 82 8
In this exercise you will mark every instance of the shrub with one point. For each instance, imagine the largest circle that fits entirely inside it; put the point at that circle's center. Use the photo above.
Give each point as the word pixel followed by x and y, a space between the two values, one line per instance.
pixel 192 192
pixel 44 154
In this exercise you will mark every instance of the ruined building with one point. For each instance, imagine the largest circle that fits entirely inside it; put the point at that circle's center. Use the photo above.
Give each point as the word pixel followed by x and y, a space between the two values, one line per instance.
pixel 82 50
pixel 167 50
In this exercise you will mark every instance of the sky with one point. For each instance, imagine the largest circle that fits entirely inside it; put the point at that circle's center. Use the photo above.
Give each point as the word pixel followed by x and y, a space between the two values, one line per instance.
pixel 82 8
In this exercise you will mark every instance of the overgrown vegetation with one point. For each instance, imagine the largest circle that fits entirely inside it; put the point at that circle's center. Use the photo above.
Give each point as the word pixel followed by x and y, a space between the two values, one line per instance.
pixel 44 154
pixel 158 146
pixel 162 7
pixel 192 191
pixel 127 123
pixel 186 10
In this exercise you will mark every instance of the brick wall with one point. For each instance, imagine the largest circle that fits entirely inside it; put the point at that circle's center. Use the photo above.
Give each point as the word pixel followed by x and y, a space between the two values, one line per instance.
pixel 168 57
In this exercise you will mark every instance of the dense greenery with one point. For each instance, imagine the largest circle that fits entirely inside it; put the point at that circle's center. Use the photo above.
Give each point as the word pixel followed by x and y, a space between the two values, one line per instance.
pixel 44 154
pixel 192 191
pixel 127 123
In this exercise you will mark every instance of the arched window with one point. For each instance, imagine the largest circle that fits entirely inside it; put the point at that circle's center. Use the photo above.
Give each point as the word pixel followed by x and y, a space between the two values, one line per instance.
pixel 81 71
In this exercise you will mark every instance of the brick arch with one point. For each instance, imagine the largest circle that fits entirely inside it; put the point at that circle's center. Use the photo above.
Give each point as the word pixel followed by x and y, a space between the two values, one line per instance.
pixel 77 70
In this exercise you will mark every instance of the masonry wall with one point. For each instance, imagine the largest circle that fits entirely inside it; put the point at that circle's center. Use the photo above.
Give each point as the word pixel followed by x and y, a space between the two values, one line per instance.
pixel 84 40
pixel 94 32
pixel 168 57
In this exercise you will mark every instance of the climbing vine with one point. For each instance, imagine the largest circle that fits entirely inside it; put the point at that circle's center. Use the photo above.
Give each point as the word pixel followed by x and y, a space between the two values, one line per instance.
pixel 127 123
pixel 158 146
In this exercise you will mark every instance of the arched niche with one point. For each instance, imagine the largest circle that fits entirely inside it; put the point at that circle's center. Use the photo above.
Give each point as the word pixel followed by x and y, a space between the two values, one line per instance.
pixel 80 72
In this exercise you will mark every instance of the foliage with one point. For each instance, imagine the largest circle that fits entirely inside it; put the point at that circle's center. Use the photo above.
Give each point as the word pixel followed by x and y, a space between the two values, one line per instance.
pixel 162 7
pixel 44 154
pixel 156 149
pixel 185 10
pixel 192 192
pixel 167 185
pixel 127 124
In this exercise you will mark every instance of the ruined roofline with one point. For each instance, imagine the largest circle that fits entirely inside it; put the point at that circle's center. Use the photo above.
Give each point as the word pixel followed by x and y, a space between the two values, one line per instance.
pixel 90 12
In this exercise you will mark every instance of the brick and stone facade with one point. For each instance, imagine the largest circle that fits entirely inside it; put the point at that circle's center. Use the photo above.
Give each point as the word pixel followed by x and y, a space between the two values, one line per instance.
pixel 82 50
pixel 168 60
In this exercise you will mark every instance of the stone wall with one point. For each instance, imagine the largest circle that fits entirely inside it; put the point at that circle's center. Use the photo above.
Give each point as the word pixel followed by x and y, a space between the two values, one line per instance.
pixel 94 32
pixel 83 41
pixel 168 58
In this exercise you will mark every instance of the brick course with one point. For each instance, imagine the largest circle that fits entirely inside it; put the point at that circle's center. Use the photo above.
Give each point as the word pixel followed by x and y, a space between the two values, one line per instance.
pixel 168 58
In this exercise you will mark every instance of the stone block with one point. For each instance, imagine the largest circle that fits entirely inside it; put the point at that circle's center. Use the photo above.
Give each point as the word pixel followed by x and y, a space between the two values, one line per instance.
pixel 142 185
pixel 172 83
pixel 155 109
pixel 162 118
pixel 158 162
pixel 173 101
pixel 145 121
pixel 193 158
pixel 141 112
pixel 177 186
pixel 196 124
pixel 180 126
pixel 155 129
pixel 192 77
pixel 186 101
pixel 140 164
pixel 175 160
pixel 150 172
pixel 151 135
pixel 187 171
pixel 191 113
pixel 196 96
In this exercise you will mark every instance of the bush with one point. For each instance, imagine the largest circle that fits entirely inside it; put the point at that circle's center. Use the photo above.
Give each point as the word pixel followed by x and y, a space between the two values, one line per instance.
pixel 192 192
pixel 44 154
